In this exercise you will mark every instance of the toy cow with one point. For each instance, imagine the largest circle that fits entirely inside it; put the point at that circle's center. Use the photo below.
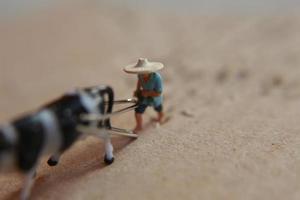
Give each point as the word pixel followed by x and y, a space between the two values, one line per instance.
pixel 54 128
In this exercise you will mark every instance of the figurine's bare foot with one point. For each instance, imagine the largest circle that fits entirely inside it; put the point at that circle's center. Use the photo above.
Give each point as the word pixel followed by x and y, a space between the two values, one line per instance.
pixel 160 117
pixel 157 120
pixel 137 129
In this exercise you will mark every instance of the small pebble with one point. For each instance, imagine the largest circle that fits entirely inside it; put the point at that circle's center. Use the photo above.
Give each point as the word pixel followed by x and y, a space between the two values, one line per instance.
pixel 187 113
pixel 222 75
pixel 277 81
pixel 242 74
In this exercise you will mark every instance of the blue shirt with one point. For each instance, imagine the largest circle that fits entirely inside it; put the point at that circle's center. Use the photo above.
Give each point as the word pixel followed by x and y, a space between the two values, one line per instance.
pixel 154 83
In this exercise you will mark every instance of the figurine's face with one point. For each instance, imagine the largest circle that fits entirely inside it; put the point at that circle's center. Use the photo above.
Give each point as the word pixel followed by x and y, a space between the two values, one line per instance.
pixel 145 76
pixel 7 155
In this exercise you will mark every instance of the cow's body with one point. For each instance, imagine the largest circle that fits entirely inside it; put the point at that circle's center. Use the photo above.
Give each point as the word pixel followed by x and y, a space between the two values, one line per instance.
pixel 52 130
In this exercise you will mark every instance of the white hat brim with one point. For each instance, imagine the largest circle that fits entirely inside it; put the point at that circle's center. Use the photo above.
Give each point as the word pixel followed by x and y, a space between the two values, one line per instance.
pixel 151 67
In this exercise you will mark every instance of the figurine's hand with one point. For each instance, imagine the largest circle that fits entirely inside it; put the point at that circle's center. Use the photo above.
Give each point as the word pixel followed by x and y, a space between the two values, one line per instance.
pixel 145 93
pixel 137 93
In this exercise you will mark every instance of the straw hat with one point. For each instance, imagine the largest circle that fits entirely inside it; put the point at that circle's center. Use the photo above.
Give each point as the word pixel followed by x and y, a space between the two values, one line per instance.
pixel 143 66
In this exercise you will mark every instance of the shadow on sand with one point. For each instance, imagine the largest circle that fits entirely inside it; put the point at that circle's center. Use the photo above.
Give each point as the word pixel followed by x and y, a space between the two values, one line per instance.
pixel 89 160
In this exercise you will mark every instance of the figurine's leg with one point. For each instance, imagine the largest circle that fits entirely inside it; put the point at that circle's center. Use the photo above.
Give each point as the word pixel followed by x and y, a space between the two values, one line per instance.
pixel 139 117
pixel 139 122
pixel 53 160
pixel 108 157
pixel 160 114
pixel 29 181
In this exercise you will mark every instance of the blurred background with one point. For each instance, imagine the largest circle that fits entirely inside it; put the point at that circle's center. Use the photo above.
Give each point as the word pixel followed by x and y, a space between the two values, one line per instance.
pixel 15 7
pixel 231 85
pixel 65 44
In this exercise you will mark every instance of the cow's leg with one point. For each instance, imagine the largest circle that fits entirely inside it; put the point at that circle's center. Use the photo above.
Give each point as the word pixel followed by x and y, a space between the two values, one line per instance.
pixel 108 157
pixel 103 134
pixel 53 160
pixel 29 181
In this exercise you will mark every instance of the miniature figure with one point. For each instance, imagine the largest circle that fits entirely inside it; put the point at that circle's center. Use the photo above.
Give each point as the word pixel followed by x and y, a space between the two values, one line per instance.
pixel 55 127
pixel 148 90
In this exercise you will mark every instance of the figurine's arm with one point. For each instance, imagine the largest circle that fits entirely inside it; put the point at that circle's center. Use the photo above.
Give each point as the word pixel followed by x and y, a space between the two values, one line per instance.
pixel 147 93
pixel 138 88
pixel 138 85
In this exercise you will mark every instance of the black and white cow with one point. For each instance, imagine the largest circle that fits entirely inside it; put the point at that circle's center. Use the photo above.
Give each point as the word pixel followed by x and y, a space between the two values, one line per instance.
pixel 53 129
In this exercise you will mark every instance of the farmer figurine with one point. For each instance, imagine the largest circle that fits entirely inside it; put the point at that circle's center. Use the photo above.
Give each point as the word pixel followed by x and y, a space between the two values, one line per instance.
pixel 149 89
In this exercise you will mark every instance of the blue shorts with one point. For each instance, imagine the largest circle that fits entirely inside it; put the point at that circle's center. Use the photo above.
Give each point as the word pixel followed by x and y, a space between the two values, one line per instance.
pixel 142 107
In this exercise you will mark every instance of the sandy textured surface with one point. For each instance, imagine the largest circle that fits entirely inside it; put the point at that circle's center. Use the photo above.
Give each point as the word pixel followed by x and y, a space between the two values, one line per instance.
pixel 231 85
